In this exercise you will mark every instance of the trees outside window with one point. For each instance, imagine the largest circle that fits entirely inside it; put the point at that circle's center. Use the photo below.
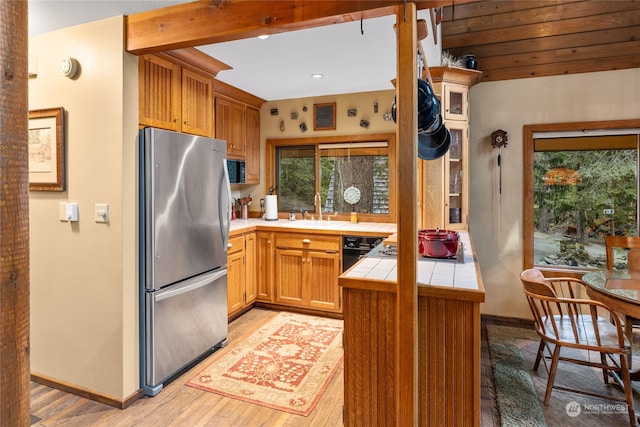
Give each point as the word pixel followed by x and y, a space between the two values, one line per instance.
pixel 330 167
pixel 581 184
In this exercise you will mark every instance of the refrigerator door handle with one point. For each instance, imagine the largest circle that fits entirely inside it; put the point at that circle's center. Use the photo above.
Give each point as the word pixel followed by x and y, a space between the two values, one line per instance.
pixel 202 281
pixel 225 214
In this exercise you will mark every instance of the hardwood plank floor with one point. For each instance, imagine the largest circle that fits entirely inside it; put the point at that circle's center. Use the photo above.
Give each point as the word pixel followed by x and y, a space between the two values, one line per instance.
pixel 179 405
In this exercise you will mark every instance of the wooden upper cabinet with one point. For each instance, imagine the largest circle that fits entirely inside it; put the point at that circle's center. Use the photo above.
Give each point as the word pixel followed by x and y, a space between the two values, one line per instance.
pixel 197 92
pixel 159 90
pixel 179 95
pixel 444 184
pixel 230 126
pixel 252 166
pixel 174 98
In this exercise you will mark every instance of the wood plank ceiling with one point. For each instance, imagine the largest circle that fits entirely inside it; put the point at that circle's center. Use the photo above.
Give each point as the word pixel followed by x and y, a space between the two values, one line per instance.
pixel 520 39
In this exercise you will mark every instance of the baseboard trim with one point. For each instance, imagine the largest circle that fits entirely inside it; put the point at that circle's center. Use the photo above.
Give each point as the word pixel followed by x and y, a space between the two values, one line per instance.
pixel 489 319
pixel 87 393
pixel 299 310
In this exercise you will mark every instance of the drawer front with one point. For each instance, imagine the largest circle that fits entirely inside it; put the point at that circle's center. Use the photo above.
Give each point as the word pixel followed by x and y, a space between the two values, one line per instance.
pixel 235 244
pixel 308 241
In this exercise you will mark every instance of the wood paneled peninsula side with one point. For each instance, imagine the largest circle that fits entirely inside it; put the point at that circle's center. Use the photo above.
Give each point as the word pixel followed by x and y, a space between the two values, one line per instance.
pixel 449 297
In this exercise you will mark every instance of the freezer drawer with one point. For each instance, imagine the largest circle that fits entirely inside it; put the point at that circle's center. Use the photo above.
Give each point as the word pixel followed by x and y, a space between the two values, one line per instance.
pixel 183 321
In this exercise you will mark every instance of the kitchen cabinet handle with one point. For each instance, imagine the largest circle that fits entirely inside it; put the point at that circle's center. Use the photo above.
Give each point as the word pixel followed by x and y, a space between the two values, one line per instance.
pixel 229 245
pixel 306 241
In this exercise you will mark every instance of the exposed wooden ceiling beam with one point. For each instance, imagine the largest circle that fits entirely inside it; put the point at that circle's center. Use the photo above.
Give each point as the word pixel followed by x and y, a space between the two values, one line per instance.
pixel 214 21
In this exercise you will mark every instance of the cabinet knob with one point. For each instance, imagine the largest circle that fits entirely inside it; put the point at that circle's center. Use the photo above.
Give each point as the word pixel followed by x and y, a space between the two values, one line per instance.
pixel 306 241
pixel 185 122
pixel 229 245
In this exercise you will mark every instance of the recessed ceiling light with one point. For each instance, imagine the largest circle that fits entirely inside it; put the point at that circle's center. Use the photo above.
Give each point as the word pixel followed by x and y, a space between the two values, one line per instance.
pixel 317 76
pixel 263 36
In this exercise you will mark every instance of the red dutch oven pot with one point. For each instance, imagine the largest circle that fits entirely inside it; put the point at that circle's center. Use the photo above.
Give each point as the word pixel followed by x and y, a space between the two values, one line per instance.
pixel 438 243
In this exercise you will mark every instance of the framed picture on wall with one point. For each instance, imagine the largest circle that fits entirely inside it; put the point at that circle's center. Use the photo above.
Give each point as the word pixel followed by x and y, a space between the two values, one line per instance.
pixel 324 116
pixel 46 150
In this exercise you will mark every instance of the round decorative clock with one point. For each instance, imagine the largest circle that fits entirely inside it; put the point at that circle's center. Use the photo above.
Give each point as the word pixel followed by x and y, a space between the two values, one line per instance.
pixel 352 195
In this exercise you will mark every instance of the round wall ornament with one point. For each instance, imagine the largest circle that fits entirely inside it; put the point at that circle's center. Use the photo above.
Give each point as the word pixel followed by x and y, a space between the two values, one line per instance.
pixel 352 195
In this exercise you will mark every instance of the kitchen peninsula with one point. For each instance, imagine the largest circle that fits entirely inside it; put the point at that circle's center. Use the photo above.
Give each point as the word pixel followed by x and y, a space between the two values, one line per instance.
pixel 449 297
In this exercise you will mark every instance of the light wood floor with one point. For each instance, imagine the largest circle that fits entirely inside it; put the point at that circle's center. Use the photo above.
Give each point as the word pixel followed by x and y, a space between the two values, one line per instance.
pixel 179 405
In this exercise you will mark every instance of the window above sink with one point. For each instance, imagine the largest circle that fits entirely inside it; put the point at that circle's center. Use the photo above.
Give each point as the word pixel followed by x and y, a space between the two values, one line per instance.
pixel 353 173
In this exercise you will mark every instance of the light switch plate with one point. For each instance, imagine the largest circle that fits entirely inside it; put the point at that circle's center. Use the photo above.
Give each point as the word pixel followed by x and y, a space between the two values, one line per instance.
pixel 71 212
pixel 102 212
pixel 62 211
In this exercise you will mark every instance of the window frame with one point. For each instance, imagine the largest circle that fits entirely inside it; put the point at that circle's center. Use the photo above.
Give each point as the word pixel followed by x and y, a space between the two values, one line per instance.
pixel 528 163
pixel 389 138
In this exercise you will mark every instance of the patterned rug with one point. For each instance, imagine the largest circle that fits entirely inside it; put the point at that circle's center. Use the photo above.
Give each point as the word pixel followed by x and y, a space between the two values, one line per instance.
pixel 286 364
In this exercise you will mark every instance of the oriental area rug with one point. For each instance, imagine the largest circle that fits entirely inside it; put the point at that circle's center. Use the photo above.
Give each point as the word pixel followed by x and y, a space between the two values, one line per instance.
pixel 285 364
pixel 520 390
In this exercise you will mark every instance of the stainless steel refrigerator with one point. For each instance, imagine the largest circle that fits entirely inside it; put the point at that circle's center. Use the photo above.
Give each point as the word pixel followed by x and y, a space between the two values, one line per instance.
pixel 185 214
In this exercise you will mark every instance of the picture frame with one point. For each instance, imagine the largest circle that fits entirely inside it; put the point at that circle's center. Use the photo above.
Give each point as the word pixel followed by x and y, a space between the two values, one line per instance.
pixel 46 150
pixel 324 116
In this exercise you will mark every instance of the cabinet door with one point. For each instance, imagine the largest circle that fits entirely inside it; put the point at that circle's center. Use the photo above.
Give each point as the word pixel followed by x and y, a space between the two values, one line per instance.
pixel 265 260
pixel 235 282
pixel 323 269
pixel 250 288
pixel 197 117
pixel 230 126
pixel 456 102
pixel 252 147
pixel 159 92
pixel 289 277
pixel 456 177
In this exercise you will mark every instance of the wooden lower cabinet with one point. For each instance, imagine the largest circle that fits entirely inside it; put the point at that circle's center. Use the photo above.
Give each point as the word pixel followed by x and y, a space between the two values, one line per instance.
pixel 264 266
pixel 306 271
pixel 448 354
pixel 241 279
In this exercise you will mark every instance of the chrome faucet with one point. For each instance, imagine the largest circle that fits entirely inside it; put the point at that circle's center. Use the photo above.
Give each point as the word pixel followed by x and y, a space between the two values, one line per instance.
pixel 317 202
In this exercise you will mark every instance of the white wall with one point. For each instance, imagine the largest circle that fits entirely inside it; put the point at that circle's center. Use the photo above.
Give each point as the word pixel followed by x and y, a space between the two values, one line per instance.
pixel 496 220
pixel 84 275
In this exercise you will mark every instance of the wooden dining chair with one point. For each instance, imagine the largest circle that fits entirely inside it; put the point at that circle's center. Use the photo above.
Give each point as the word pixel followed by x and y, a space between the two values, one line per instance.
pixel 631 244
pixel 565 320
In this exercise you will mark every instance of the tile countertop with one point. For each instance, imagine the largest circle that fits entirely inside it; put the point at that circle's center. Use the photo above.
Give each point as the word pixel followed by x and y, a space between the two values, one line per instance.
pixel 330 227
pixel 430 272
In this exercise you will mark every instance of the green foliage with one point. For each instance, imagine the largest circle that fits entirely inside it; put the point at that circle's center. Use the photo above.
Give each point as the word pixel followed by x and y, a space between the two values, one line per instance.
pixel 607 180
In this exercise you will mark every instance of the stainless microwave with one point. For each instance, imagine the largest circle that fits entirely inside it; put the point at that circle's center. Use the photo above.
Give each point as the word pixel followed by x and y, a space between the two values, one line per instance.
pixel 236 171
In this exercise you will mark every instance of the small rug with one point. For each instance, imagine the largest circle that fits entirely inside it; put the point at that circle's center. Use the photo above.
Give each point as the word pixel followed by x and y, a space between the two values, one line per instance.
pixel 286 364
pixel 516 396
pixel 513 351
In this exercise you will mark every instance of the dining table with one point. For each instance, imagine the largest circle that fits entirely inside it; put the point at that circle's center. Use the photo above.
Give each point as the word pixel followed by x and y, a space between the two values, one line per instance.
pixel 620 291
